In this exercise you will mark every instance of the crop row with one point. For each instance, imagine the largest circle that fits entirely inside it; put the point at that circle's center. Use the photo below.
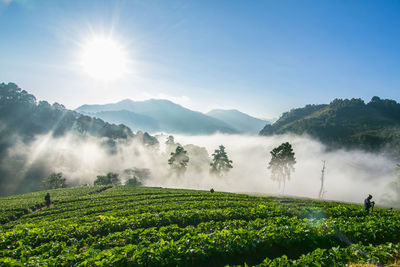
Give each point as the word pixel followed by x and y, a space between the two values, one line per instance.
pixel 119 203
pixel 15 206
pixel 231 241
pixel 383 254
pixel 153 226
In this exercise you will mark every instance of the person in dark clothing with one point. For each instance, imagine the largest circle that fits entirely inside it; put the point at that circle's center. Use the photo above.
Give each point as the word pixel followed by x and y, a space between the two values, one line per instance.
pixel 368 204
pixel 47 200
pixel 212 190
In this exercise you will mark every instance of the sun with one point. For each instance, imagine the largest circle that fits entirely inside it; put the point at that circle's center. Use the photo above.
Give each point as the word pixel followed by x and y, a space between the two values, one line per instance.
pixel 104 59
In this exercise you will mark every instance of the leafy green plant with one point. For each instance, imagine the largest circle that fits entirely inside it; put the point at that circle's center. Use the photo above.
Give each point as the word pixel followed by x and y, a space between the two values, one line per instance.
pixel 155 226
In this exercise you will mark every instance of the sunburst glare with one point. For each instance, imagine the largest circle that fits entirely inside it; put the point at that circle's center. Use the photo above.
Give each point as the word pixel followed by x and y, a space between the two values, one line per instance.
pixel 104 58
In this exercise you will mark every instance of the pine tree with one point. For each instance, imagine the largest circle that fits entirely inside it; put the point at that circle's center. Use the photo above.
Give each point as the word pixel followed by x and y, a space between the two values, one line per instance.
pixel 220 164
pixel 178 160
pixel 281 164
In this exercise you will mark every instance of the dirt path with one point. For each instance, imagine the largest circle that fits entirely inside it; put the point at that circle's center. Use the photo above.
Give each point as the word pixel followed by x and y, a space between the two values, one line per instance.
pixel 43 208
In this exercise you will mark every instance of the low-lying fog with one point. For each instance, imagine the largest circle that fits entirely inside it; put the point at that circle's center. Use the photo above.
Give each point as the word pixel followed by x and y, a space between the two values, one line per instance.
pixel 349 175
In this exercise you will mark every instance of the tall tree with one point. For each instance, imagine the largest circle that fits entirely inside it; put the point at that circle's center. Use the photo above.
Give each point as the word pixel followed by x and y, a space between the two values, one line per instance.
pixel 220 164
pixel 178 160
pixel 282 164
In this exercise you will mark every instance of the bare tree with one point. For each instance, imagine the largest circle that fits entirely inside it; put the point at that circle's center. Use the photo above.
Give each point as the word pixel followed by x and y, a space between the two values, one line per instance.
pixel 322 190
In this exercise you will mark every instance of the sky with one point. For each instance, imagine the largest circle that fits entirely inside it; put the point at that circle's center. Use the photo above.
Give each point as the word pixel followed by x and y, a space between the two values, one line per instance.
pixel 260 57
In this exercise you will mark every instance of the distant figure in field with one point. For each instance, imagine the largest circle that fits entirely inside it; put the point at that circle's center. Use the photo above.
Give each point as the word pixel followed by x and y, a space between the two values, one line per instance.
pixel 212 190
pixel 47 199
pixel 368 204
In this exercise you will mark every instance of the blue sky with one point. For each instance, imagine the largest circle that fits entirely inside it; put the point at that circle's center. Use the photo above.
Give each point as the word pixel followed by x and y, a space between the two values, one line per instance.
pixel 261 57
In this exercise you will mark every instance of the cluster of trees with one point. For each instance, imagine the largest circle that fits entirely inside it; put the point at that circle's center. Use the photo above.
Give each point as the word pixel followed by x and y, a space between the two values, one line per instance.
pixel 54 181
pixel 109 179
pixel 281 164
pixel 136 176
pixel 179 160
pixel 133 177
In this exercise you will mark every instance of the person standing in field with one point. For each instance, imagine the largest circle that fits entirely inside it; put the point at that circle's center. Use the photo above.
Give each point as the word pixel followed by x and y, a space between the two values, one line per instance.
pixel 47 200
pixel 368 203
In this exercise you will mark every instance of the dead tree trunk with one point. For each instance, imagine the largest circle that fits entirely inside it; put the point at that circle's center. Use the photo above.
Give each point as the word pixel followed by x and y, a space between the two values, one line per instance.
pixel 322 190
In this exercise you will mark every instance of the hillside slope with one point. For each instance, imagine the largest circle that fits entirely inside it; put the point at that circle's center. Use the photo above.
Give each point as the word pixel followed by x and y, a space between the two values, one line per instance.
pixel 142 226
pixel 23 119
pixel 239 121
pixel 345 123
pixel 157 115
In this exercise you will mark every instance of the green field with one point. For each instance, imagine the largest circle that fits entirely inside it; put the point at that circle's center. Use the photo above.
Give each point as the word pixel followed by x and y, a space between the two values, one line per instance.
pixel 141 226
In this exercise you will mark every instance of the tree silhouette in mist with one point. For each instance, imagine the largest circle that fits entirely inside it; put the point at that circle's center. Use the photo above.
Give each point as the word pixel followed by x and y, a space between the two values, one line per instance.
pixel 178 160
pixel 220 164
pixel 109 179
pixel 54 181
pixel 281 164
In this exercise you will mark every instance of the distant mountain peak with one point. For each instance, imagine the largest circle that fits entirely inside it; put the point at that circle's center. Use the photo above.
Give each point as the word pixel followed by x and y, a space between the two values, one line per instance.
pixel 238 120
pixel 126 100
pixel 224 110
pixel 157 115
pixel 164 115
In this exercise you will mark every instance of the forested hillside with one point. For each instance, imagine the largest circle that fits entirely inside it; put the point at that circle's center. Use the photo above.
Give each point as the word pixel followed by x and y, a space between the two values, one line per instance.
pixel 22 118
pixel 348 123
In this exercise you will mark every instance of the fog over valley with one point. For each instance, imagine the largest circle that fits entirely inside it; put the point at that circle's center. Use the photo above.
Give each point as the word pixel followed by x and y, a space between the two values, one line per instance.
pixel 349 175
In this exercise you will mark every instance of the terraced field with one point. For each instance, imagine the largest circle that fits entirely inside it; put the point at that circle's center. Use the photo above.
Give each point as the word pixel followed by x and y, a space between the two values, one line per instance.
pixel 141 226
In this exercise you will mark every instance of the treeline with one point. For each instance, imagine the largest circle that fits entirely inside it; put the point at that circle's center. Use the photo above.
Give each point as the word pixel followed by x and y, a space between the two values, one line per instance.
pixel 177 157
pixel 21 114
pixel 348 123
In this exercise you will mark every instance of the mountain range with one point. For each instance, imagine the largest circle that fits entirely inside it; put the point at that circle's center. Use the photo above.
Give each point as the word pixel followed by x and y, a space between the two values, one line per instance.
pixel 158 115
